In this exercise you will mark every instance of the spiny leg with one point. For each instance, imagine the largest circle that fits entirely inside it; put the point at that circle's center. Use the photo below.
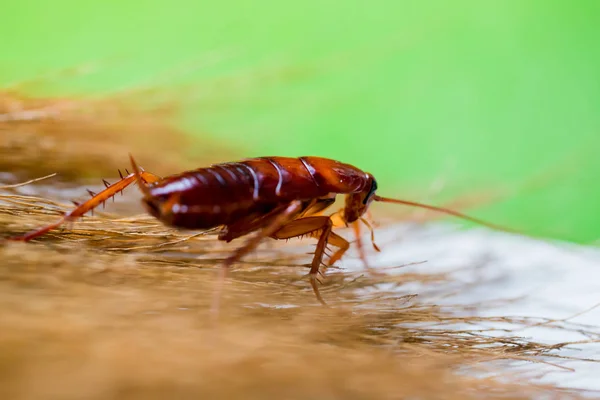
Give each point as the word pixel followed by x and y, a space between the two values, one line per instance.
pixel 89 205
pixel 320 227
pixel 270 227
pixel 312 226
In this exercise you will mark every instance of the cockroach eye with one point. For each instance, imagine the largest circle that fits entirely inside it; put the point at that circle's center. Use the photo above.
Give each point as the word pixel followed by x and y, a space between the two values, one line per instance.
pixel 371 192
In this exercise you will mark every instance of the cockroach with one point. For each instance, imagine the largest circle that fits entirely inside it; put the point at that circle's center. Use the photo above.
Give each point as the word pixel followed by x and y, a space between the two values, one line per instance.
pixel 273 197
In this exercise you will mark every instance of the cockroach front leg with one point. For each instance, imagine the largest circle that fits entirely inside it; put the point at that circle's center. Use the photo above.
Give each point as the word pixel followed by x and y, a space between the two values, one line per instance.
pixel 361 249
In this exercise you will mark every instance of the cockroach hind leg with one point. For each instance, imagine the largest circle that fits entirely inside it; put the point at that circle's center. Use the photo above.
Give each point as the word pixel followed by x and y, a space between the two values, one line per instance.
pixel 314 281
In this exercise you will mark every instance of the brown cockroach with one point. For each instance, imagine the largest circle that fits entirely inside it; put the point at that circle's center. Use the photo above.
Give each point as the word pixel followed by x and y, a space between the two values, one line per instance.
pixel 276 197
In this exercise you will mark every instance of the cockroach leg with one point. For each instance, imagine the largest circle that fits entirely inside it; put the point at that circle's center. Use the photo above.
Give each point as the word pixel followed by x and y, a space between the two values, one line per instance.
pixel 273 226
pixel 361 250
pixel 89 205
pixel 338 241
pixel 359 244
pixel 301 227
pixel 317 259
pixel 315 226
pixel 364 221
pixel 318 206
pixel 248 224
pixel 319 227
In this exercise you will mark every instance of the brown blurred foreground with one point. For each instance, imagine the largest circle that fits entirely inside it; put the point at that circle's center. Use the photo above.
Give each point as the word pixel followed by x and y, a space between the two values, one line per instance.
pixel 117 307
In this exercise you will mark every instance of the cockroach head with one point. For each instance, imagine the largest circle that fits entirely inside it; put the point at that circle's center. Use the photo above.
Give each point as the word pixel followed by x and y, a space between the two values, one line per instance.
pixel 358 203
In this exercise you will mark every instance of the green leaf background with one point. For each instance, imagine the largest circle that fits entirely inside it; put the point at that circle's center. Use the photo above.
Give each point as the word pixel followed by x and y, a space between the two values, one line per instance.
pixel 475 94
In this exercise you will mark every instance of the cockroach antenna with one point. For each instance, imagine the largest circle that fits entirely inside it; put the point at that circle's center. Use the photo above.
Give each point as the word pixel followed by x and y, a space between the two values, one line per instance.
pixel 442 210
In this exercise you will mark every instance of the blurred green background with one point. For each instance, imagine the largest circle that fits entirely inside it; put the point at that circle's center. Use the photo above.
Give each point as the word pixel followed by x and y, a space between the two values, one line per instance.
pixel 472 94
